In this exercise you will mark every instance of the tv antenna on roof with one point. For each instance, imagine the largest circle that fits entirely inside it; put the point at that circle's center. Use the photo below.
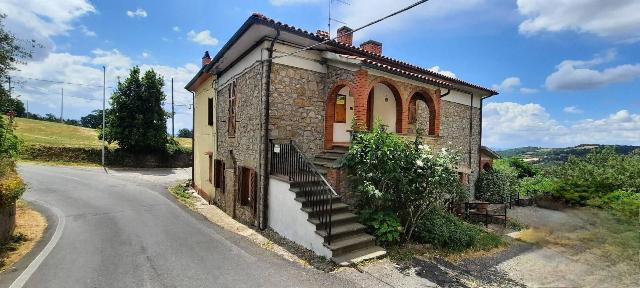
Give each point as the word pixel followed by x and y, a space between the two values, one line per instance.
pixel 343 2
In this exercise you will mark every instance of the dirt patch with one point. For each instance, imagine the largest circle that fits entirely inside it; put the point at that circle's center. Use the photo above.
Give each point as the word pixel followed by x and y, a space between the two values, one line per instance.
pixel 30 226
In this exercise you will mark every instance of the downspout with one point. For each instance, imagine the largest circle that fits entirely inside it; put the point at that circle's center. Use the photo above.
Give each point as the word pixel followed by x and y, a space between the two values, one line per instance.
pixel 267 149
pixel 470 137
pixel 481 103
pixel 193 140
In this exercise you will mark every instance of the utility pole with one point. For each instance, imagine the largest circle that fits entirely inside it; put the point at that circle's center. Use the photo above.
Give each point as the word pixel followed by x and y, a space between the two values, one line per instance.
pixel 104 85
pixel 173 129
pixel 61 105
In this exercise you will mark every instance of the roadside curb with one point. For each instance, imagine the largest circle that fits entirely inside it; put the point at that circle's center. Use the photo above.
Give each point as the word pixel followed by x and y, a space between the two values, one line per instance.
pixel 9 277
pixel 214 215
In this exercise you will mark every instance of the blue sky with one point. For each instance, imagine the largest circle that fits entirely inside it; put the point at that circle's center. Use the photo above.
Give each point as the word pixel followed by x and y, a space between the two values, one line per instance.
pixel 568 71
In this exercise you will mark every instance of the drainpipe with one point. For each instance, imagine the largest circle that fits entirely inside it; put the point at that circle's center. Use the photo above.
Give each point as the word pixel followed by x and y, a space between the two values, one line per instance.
pixel 481 103
pixel 470 137
pixel 193 141
pixel 265 160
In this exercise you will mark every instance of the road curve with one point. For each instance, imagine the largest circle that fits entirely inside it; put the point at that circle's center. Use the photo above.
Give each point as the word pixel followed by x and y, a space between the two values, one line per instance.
pixel 125 231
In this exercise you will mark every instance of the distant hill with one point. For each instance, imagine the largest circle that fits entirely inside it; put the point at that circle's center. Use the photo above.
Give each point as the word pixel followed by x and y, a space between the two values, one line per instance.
pixel 557 155
pixel 58 134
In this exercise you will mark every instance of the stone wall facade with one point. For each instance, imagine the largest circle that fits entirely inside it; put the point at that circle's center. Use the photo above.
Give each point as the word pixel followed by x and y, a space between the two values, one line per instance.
pixel 454 134
pixel 243 150
pixel 296 107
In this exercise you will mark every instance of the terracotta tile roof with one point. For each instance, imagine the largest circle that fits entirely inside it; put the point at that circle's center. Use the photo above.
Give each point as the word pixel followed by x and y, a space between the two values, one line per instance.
pixel 375 60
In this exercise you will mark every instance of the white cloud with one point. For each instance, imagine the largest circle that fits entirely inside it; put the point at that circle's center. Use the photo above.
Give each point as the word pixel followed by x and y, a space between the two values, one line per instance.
pixel 202 37
pixel 40 20
pixel 572 110
pixel 507 84
pixel 510 124
pixel 579 75
pixel 617 19
pixel 145 55
pixel 525 90
pixel 87 70
pixel 443 72
pixel 510 84
pixel 111 59
pixel 138 13
pixel 87 32
pixel 175 29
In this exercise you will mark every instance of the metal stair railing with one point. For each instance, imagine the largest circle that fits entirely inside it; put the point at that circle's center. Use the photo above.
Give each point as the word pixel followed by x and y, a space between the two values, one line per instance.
pixel 288 160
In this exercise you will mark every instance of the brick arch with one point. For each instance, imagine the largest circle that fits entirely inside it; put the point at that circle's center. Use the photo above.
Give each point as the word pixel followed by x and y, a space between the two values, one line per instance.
pixel 432 99
pixel 330 110
pixel 393 86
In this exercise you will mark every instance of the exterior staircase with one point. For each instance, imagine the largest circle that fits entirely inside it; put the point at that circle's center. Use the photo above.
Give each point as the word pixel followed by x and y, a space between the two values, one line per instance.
pixel 347 240
pixel 333 219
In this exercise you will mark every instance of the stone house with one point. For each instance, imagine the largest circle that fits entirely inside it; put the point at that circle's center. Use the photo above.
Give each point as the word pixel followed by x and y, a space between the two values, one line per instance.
pixel 271 122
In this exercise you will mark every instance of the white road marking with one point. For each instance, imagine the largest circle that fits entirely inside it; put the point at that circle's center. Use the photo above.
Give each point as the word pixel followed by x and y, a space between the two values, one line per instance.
pixel 26 274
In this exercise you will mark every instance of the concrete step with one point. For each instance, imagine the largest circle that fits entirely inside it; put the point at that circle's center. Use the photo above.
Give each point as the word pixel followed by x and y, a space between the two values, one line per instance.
pixel 342 231
pixel 325 163
pixel 349 244
pixel 330 156
pixel 359 255
pixel 336 209
pixel 305 202
pixel 338 218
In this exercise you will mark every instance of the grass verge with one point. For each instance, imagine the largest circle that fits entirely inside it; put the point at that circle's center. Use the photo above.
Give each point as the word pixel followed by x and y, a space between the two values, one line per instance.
pixel 180 192
pixel 30 226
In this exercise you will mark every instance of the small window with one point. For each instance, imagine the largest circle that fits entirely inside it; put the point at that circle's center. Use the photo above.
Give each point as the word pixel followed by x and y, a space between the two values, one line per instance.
pixel 231 119
pixel 341 109
pixel 210 169
pixel 219 174
pixel 248 187
pixel 210 111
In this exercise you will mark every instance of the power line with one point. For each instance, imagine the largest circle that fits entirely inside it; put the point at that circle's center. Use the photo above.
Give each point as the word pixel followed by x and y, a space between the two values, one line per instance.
pixel 351 32
pixel 62 82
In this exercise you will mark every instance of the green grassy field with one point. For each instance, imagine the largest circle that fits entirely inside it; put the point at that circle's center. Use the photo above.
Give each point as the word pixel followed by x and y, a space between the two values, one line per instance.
pixel 35 132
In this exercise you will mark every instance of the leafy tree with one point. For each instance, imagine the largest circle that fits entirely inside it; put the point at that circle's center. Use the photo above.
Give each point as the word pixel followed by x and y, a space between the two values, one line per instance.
pixel 11 53
pixel 136 120
pixel 92 120
pixel 521 168
pixel 494 186
pixel 185 133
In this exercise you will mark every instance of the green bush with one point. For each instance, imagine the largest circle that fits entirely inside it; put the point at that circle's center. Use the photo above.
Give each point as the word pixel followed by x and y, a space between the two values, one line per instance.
pixel 536 186
pixel 9 142
pixel 599 173
pixel 389 173
pixel 624 203
pixel 493 186
pixel 384 225
pixel 444 230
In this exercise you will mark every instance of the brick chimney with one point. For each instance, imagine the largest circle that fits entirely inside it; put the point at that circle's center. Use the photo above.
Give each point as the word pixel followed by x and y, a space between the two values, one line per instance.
pixel 206 59
pixel 371 46
pixel 345 36
pixel 323 34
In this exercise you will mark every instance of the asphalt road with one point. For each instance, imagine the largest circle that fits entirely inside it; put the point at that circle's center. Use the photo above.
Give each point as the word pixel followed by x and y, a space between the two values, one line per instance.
pixel 125 230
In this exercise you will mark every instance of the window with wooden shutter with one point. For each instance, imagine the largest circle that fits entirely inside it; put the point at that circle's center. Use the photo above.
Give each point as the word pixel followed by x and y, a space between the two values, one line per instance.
pixel 210 168
pixel 231 119
pixel 219 174
pixel 341 109
pixel 210 111
pixel 248 187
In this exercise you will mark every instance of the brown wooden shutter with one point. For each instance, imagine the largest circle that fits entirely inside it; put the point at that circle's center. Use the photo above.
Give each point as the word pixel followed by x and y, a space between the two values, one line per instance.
pixel 253 189
pixel 210 111
pixel 211 169
pixel 341 109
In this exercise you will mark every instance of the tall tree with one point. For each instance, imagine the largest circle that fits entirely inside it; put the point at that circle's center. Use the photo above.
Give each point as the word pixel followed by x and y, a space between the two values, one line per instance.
pixel 92 120
pixel 136 120
pixel 11 53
